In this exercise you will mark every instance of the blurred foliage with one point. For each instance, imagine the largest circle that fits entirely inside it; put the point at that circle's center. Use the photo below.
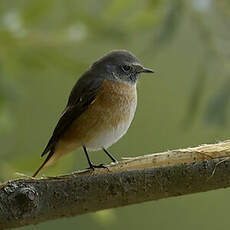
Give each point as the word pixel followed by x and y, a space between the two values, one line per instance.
pixel 46 45
pixel 217 109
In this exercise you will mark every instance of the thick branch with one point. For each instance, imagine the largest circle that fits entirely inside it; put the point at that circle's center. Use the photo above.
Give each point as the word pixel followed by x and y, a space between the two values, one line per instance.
pixel 134 180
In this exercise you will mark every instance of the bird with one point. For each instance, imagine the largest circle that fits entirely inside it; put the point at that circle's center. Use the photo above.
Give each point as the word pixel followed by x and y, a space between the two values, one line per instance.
pixel 100 108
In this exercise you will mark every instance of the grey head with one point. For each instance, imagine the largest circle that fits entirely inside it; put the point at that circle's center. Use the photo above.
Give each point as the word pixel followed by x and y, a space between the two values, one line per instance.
pixel 119 65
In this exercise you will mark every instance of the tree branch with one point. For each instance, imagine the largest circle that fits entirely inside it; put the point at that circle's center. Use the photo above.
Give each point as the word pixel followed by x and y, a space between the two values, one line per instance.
pixel 134 180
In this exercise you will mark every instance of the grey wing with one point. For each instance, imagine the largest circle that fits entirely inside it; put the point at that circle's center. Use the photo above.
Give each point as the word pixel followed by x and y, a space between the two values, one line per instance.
pixel 82 95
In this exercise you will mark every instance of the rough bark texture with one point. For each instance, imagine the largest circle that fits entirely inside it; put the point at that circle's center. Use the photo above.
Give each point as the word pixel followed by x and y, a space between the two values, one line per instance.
pixel 151 177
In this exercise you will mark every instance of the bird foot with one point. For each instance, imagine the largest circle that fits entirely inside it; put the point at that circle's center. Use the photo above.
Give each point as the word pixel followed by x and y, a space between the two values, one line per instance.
pixel 92 167
pixel 114 162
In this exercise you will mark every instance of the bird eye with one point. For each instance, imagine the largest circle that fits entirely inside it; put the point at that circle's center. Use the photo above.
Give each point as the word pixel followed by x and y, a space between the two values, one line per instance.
pixel 126 68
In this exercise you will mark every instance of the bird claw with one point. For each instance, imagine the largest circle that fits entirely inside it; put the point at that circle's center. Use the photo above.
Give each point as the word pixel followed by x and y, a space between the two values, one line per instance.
pixel 92 167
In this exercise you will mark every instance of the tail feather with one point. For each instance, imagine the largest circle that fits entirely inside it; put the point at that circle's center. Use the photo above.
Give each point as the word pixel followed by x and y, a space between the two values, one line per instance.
pixel 44 163
pixel 48 147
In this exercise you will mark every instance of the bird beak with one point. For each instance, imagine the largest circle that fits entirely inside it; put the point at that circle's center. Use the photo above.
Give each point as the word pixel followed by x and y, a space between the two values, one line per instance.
pixel 146 70
pixel 142 69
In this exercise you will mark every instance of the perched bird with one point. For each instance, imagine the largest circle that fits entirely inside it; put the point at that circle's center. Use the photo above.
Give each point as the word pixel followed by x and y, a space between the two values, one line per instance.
pixel 100 108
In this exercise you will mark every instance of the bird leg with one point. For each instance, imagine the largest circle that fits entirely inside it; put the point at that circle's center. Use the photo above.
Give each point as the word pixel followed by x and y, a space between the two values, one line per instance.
pixel 91 165
pixel 114 160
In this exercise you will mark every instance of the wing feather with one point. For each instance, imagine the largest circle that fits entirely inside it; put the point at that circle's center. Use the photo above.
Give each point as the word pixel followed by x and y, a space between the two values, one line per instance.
pixel 82 95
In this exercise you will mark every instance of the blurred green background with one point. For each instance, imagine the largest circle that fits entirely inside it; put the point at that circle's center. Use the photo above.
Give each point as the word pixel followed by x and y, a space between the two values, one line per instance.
pixel 46 45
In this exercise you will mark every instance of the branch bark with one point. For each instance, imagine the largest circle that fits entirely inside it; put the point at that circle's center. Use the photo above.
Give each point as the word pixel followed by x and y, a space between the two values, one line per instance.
pixel 134 180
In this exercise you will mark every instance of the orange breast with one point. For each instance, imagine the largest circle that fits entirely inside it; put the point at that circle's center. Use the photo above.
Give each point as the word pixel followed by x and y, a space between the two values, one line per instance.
pixel 112 106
